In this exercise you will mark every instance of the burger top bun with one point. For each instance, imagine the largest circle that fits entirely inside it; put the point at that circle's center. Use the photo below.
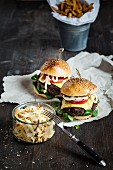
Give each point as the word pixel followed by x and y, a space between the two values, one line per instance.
pixel 56 67
pixel 78 87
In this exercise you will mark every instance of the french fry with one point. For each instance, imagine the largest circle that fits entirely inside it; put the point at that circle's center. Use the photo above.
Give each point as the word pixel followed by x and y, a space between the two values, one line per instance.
pixel 78 10
pixel 74 5
pixel 79 15
pixel 69 15
pixel 57 10
pixel 62 6
pixel 67 11
pixel 79 5
pixel 69 2
pixel 69 7
pixel 90 7
pixel 85 8
pixel 74 13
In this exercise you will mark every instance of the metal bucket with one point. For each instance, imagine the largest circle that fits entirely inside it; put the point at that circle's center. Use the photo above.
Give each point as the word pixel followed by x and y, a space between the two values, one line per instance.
pixel 73 38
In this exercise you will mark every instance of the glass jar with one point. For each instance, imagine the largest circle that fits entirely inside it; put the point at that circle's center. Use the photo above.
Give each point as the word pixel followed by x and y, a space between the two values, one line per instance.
pixel 30 124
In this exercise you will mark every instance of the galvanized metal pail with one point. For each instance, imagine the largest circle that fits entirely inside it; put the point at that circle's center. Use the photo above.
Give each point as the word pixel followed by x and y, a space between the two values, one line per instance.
pixel 73 38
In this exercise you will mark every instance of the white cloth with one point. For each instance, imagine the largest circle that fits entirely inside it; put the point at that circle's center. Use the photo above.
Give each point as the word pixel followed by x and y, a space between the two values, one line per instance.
pixel 97 68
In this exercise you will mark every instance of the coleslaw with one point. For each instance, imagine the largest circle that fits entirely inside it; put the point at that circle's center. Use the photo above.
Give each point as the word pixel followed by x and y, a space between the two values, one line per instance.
pixel 31 125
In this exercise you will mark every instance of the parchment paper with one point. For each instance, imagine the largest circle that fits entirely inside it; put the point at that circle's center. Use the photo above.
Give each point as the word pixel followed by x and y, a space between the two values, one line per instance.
pixel 97 68
pixel 88 17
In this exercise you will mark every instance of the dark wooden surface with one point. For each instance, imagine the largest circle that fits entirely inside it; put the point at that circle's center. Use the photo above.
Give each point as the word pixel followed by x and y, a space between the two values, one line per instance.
pixel 28 36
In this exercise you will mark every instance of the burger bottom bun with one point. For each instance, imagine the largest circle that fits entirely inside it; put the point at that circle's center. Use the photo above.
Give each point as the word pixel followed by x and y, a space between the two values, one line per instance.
pixel 82 117
pixel 35 90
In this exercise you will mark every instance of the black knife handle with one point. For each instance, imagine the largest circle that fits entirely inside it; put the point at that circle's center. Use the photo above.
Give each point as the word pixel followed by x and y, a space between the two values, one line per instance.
pixel 91 153
pixel 86 148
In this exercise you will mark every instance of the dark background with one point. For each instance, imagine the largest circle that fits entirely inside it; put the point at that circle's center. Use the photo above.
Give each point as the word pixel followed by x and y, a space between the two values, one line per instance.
pixel 29 36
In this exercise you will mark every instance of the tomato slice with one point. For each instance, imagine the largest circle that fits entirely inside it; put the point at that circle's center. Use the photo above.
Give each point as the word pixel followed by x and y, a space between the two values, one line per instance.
pixel 60 79
pixel 44 76
pixel 78 102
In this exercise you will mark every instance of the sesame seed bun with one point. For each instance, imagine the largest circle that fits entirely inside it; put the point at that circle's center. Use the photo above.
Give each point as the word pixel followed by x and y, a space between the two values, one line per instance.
pixel 78 87
pixel 56 67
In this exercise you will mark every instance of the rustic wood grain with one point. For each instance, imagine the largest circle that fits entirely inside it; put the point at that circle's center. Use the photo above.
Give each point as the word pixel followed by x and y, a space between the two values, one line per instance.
pixel 29 36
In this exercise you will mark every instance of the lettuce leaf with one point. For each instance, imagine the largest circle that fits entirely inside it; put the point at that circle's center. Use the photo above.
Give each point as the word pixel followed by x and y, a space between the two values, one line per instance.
pixel 41 91
pixel 57 107
pixel 35 77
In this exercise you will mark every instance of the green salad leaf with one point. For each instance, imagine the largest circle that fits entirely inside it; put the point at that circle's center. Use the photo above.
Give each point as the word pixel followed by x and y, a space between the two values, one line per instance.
pixel 41 91
pixel 67 117
pixel 98 101
pixel 70 118
pixel 95 112
pixel 35 77
pixel 57 106
pixel 88 112
pixel 49 96
pixel 77 127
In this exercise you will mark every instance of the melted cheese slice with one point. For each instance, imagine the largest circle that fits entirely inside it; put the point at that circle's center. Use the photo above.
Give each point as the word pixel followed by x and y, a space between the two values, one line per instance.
pixel 60 84
pixel 87 105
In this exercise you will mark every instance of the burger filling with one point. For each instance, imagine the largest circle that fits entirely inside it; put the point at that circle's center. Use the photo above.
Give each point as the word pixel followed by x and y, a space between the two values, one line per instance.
pixel 48 85
pixel 80 106
pixel 74 111
pixel 52 89
pixel 68 110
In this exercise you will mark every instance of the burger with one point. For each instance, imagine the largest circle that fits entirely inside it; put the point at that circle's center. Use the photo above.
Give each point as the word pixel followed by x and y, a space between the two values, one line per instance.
pixel 79 99
pixel 49 81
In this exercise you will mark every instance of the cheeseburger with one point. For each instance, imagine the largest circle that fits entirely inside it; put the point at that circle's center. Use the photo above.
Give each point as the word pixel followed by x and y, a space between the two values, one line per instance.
pixel 79 100
pixel 53 74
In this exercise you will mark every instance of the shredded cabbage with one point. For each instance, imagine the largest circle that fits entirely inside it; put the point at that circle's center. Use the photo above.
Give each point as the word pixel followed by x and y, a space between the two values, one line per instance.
pixel 31 125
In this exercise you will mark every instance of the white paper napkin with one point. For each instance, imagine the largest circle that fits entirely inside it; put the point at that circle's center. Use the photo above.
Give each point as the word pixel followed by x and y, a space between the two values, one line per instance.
pixel 19 89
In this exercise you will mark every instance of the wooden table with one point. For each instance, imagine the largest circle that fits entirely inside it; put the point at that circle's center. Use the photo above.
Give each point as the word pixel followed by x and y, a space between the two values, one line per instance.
pixel 28 36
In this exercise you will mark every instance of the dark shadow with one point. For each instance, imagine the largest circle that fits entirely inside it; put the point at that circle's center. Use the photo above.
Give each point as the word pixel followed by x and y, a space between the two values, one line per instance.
pixel 105 66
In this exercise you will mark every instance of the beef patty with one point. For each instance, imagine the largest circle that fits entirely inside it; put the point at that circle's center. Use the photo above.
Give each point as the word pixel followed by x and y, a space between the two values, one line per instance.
pixel 75 111
pixel 54 90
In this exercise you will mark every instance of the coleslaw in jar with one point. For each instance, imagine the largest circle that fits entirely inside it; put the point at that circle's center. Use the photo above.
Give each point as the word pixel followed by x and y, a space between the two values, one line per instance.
pixel 30 124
